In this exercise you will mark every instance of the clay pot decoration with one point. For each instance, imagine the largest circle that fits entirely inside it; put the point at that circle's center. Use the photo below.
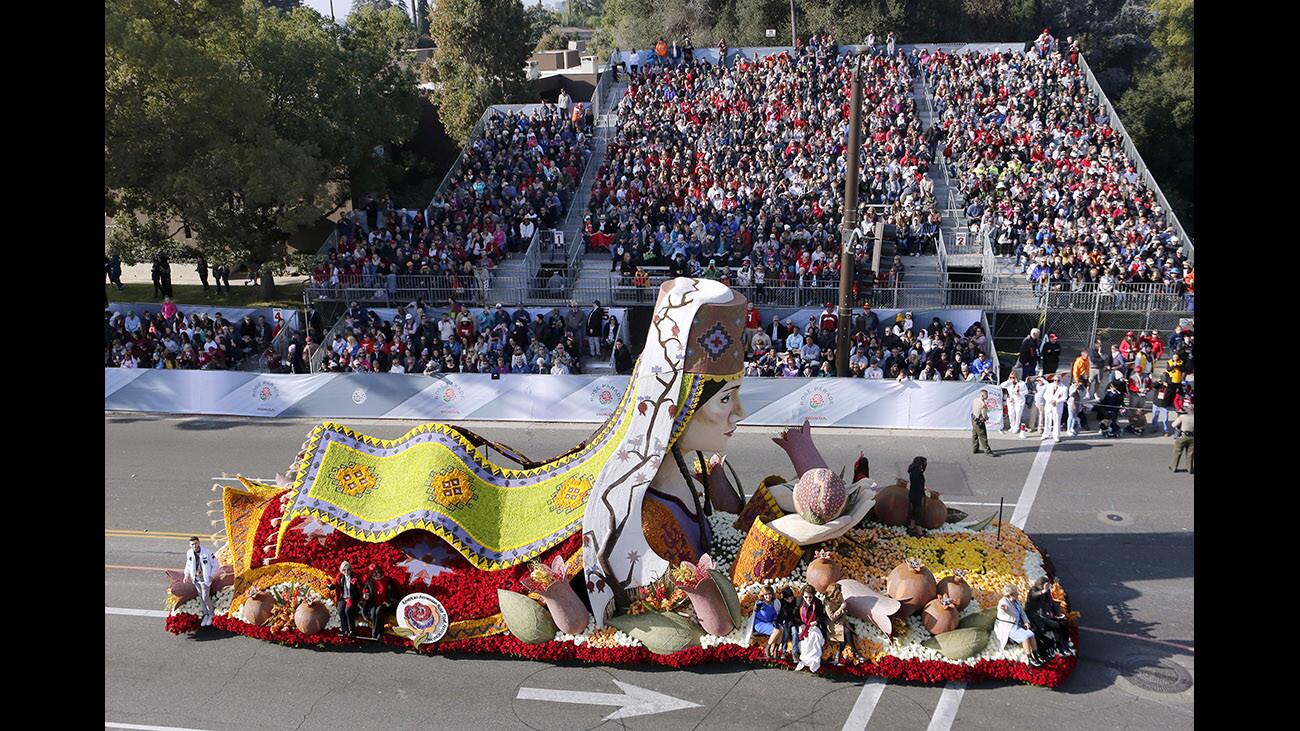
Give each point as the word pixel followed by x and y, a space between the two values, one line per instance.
pixel 257 608
pixel 710 609
pixel 933 512
pixel 823 571
pixel 940 616
pixel 891 506
pixel 566 608
pixel 311 617
pixel 955 587
pixel 820 496
pixel 912 584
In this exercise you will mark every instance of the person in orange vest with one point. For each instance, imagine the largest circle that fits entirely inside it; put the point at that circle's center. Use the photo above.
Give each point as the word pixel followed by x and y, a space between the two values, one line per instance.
pixel 1081 368
pixel 661 50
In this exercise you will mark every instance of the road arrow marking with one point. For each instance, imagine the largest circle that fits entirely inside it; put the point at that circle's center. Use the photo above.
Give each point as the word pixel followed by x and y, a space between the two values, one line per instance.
pixel 634 700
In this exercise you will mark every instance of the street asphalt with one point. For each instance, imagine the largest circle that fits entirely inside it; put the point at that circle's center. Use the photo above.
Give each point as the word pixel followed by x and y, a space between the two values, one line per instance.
pixel 1116 523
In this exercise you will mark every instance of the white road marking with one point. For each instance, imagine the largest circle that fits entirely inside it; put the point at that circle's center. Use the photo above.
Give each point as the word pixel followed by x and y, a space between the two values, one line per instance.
pixel 633 701
pixel 994 505
pixel 135 612
pixel 1030 490
pixel 142 727
pixel 866 704
pixel 946 712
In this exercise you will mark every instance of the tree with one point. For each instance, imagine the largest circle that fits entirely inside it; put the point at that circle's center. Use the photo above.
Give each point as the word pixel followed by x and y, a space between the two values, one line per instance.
pixel 538 20
pixel 481 53
pixel 285 5
pixel 244 123
pixel 555 40
pixel 1159 109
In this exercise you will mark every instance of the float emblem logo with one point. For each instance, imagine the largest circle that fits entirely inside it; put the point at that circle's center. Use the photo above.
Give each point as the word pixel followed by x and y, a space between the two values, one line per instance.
pixel 818 398
pixel 264 391
pixel 451 392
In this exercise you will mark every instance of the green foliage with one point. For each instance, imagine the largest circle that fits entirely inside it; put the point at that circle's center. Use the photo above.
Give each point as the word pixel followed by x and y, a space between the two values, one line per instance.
pixel 555 40
pixel 538 20
pixel 1159 113
pixel 481 53
pixel 244 122
pixel 1174 34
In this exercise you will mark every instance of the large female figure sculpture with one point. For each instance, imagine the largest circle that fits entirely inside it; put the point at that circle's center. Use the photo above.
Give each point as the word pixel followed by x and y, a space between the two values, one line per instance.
pixel 628 489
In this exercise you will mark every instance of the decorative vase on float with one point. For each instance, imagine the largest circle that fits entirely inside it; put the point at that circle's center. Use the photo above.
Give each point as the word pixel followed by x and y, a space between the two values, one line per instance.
pixel 912 584
pixel 955 587
pixel 552 585
pixel 257 608
pixel 824 570
pixel 940 615
pixel 934 513
pixel 891 506
pixel 311 617
pixel 710 608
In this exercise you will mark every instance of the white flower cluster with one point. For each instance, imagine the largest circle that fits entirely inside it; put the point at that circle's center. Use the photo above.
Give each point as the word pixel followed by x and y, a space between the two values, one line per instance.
pixel 795 581
pixel 734 637
pixel 726 540
pixel 623 640
pixel 220 603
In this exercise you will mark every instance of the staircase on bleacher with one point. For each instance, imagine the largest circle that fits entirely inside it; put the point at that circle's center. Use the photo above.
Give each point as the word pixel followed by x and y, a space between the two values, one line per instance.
pixel 922 273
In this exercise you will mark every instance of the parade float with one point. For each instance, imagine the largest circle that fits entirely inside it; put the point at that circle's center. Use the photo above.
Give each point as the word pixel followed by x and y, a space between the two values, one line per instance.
pixel 640 546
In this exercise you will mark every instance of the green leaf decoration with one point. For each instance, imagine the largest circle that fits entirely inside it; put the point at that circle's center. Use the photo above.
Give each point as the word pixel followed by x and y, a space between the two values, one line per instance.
pixel 959 644
pixel 729 596
pixel 983 523
pixel 663 633
pixel 526 619
pixel 955 515
pixel 981 620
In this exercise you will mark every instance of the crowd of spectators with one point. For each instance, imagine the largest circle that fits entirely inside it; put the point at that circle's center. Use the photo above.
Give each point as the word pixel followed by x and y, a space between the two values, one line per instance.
pixel 900 349
pixel 1122 379
pixel 737 171
pixel 459 340
pixel 169 339
pixel 1044 174
pixel 516 178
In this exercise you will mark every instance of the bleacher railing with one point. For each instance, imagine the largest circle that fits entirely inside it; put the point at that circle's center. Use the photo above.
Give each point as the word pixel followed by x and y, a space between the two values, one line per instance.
pixel 618 290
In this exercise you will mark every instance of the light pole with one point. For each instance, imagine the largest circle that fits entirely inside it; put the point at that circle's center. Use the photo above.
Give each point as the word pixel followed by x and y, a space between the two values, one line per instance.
pixel 849 227
pixel 793 39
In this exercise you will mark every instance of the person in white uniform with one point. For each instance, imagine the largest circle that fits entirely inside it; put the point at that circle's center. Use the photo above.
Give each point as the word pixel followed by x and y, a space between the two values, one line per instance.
pixel 1016 391
pixel 200 569
pixel 1053 400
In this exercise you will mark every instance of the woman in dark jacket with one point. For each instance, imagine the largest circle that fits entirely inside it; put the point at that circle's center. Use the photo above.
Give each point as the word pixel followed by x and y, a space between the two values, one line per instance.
pixel 916 494
pixel 1045 618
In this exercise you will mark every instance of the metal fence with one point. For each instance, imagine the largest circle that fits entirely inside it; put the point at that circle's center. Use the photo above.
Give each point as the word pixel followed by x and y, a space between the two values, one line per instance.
pixel 1142 298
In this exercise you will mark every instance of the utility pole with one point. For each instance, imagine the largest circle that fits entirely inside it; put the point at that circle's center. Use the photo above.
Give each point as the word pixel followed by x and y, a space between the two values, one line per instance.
pixel 848 229
pixel 793 38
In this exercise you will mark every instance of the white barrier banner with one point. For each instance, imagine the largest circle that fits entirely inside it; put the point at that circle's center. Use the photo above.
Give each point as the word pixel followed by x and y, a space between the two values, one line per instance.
pixel 538 398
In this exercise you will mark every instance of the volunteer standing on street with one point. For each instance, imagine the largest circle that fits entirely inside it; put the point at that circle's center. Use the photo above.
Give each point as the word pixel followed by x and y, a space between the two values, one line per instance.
pixel 1052 402
pixel 979 416
pixel 1016 391
pixel 1183 443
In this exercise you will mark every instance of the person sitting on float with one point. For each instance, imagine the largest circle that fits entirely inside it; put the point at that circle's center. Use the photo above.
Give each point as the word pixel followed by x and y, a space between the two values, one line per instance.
pixel 1013 624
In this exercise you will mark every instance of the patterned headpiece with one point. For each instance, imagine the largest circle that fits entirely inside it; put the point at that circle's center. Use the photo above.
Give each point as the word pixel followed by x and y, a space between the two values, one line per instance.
pixel 714 347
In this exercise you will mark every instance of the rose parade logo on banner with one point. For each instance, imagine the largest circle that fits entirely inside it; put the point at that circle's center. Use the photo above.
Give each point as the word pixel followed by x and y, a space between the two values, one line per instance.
pixel 359 396
pixel 451 392
pixel 263 392
pixel 816 399
pixel 604 396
